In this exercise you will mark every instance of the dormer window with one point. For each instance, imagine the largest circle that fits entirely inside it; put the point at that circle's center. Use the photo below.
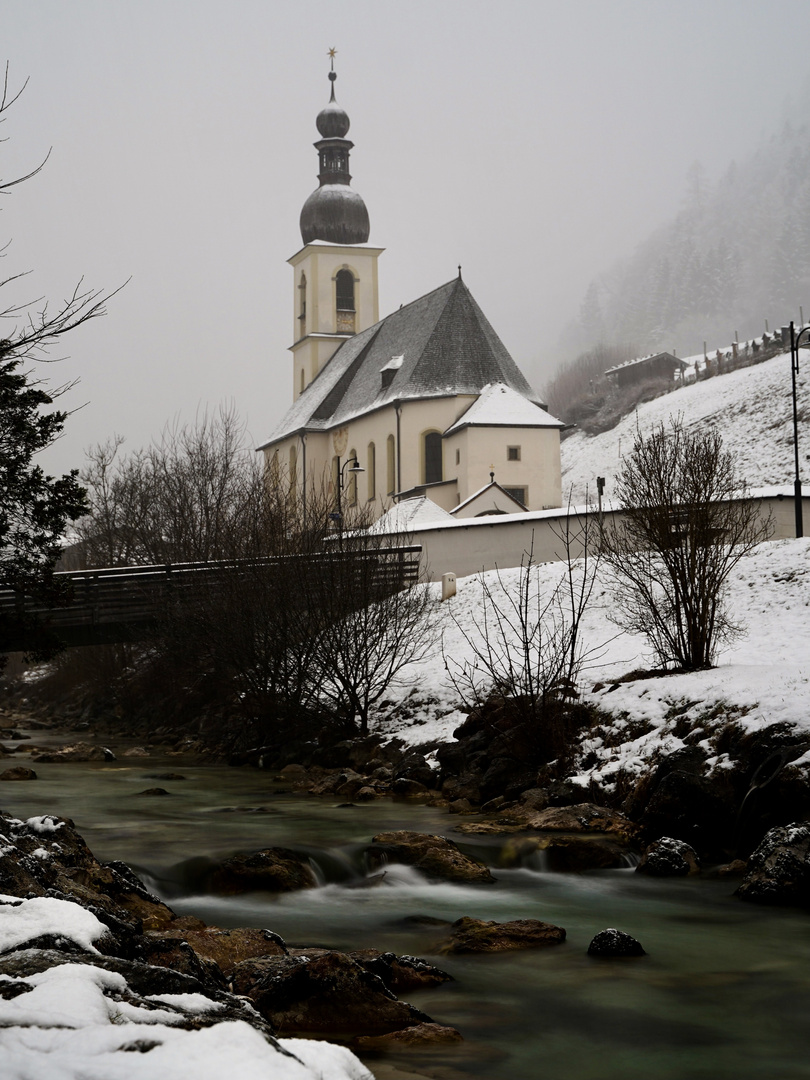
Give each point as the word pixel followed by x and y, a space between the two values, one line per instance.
pixel 388 372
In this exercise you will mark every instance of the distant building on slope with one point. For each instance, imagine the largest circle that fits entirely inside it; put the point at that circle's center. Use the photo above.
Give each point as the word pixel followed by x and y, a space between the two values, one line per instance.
pixel 427 400
pixel 656 366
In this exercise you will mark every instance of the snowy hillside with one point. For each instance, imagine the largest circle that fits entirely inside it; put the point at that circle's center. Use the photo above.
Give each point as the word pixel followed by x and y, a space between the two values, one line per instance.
pixel 751 408
pixel 762 678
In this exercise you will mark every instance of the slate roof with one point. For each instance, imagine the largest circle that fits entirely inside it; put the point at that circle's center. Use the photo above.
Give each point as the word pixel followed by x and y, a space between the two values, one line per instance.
pixel 447 347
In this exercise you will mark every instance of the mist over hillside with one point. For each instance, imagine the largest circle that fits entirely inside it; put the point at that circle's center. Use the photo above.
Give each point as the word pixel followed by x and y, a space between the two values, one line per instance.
pixel 751 408
pixel 737 253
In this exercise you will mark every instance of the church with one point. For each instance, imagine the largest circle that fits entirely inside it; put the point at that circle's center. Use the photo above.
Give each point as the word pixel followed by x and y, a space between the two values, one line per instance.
pixel 424 402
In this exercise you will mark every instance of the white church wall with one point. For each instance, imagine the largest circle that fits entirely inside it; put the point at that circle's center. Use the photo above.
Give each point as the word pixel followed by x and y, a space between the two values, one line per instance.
pixel 537 470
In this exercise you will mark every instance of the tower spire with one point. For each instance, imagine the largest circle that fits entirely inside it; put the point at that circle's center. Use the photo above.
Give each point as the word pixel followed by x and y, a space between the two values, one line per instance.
pixel 333 212
pixel 332 73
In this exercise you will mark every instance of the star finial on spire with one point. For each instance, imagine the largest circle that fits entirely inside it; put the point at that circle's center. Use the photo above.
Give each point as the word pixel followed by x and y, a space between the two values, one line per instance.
pixel 332 54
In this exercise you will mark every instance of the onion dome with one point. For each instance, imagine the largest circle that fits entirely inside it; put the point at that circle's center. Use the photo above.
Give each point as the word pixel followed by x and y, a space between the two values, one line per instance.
pixel 336 214
pixel 333 121
pixel 333 212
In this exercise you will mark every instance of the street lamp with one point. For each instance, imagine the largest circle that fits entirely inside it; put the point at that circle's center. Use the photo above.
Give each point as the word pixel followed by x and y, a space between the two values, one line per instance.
pixel 797 341
pixel 354 469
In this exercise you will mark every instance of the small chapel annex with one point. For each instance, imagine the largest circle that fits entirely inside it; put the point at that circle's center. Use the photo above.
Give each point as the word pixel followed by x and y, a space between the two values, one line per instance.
pixel 427 400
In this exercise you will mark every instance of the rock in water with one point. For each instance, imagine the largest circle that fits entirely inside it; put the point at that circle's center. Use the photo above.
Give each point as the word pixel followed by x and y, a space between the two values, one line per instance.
pixel 270 870
pixel 479 936
pixel 18 773
pixel 779 869
pixel 612 942
pixel 419 1035
pixel 322 992
pixel 434 856
pixel 669 858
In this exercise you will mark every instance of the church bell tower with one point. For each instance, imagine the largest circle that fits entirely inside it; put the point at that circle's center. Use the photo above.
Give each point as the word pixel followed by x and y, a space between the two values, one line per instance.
pixel 335 273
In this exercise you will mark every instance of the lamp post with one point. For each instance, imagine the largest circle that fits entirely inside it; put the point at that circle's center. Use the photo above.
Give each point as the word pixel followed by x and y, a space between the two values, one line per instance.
pixel 353 467
pixel 797 341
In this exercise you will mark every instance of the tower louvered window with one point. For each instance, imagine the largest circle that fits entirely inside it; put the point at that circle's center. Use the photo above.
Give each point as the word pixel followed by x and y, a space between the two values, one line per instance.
pixel 344 301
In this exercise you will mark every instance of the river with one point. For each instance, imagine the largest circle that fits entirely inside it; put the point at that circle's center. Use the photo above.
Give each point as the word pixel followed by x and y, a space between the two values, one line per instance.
pixel 723 992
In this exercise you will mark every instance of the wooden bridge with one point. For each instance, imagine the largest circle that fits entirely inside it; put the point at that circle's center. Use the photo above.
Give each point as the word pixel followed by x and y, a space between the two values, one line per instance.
pixel 124 603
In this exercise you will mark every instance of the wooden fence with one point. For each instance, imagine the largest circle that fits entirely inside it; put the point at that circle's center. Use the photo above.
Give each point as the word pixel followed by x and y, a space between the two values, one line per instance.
pixel 121 603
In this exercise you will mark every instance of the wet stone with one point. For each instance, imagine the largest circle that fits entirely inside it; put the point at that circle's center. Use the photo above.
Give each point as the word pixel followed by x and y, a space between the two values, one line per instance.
pixel 612 943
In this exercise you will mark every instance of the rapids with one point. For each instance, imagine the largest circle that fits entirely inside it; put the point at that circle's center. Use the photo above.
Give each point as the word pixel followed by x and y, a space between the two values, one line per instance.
pixel 723 992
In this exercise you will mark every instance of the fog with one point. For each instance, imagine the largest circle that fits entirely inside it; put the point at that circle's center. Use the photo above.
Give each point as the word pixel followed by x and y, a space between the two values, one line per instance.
pixel 534 143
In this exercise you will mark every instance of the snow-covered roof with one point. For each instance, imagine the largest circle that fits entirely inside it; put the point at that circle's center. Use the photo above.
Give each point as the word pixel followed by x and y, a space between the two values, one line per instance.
pixel 501 406
pixel 405 515
pixel 495 487
pixel 676 361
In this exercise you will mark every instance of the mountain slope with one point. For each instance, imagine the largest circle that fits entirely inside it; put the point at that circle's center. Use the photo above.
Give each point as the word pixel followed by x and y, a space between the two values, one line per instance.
pixel 751 408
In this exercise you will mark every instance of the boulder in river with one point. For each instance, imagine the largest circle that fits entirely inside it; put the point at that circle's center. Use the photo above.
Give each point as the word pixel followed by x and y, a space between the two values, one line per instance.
pixel 418 1035
pixel 668 857
pixel 225 948
pixel 20 772
pixel 400 974
pixel 45 855
pixel 612 943
pixel 270 870
pixel 322 992
pixel 479 936
pixel 779 869
pixel 580 818
pixel 434 856
pixel 76 752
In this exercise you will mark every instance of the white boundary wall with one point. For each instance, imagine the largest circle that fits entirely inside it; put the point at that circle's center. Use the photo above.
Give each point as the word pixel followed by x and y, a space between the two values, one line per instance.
pixel 472 544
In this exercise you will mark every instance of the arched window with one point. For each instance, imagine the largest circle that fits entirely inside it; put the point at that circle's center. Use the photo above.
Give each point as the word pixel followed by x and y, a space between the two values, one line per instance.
pixel 351 487
pixel 432 454
pixel 371 471
pixel 274 469
pixel 293 466
pixel 391 473
pixel 344 301
pixel 344 290
pixel 335 473
pixel 302 381
pixel 302 305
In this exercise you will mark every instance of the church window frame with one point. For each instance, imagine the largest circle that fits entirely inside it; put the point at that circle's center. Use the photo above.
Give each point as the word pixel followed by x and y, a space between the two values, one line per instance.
pixel 351 486
pixel 519 493
pixel 302 304
pixel 371 471
pixel 432 457
pixel 345 300
pixel 513 453
pixel 391 464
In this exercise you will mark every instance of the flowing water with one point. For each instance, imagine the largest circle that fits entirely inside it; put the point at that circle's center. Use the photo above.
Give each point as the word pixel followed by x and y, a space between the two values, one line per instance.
pixel 723 992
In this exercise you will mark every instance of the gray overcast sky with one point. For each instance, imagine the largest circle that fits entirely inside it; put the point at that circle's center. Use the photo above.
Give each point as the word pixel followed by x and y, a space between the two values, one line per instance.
pixel 534 143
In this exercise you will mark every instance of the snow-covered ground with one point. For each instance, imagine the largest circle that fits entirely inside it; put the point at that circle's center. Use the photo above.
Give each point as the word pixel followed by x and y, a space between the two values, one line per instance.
pixel 752 409
pixel 79 1022
pixel 761 678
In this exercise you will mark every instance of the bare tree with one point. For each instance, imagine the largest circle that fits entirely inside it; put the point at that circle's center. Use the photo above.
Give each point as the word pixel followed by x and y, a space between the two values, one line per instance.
pixel 685 521
pixel 196 494
pixel 528 650
pixel 291 622
pixel 35 509
pixel 373 623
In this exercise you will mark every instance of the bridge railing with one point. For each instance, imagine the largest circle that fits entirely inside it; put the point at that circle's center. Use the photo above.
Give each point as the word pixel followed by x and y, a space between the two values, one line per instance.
pixel 133 596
